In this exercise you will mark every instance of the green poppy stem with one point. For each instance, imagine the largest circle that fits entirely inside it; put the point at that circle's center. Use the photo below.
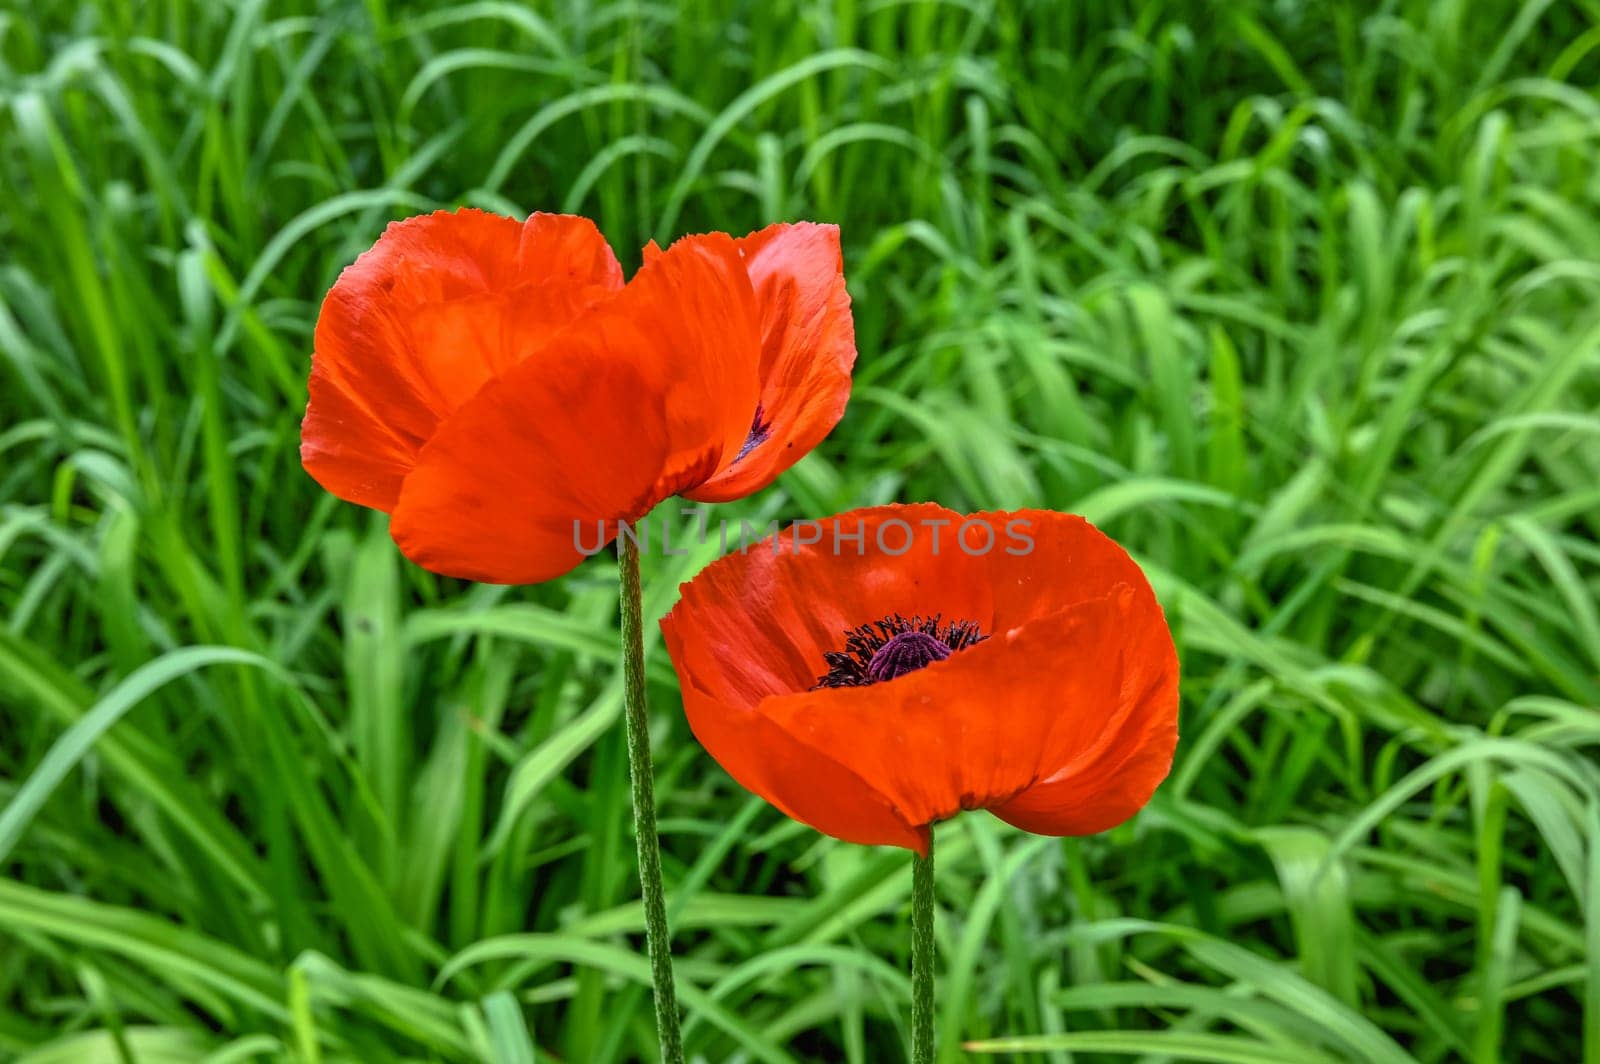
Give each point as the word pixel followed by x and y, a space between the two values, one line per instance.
pixel 922 957
pixel 642 775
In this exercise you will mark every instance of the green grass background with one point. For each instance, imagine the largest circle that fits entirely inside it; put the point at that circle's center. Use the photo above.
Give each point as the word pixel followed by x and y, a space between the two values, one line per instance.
pixel 1299 301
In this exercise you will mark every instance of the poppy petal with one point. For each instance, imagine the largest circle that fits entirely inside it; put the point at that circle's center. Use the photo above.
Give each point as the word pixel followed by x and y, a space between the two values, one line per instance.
pixel 702 329
pixel 807 352
pixel 509 487
pixel 1043 561
pixel 601 423
pixel 768 612
pixel 1101 780
pixel 418 323
pixel 982 726
pixel 1063 723
pixel 803 782
pixel 1107 785
pixel 1068 560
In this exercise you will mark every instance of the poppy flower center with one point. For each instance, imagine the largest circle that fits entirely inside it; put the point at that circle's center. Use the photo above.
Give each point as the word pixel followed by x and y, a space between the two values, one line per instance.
pixel 906 652
pixel 884 649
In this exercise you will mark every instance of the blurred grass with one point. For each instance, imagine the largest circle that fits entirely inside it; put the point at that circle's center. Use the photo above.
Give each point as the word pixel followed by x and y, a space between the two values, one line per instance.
pixel 1298 301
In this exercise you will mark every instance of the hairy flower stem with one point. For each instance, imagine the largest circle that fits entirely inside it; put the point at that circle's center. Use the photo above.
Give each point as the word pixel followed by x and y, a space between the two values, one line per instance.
pixel 922 957
pixel 642 774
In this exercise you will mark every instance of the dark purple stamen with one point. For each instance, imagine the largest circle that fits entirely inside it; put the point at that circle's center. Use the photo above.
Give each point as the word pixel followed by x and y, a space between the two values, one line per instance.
pixel 758 435
pixel 881 650
pixel 906 652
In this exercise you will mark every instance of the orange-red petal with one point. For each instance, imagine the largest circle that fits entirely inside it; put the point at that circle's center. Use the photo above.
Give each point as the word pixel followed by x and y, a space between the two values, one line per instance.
pixel 807 353
pixel 700 335
pixel 606 419
pixel 416 325
pixel 807 784
pixel 1105 782
pixel 983 726
pixel 509 489
pixel 1063 721
pixel 1044 561
pixel 770 612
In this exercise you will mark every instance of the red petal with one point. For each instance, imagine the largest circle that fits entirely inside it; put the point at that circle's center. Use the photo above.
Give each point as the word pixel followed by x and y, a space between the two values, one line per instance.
pixel 614 414
pixel 1043 561
pixel 699 314
pixel 806 784
pixel 506 487
pixel 418 323
pixel 1095 785
pixel 1062 722
pixel 1106 785
pixel 807 352
pixel 770 610
pixel 983 726
pixel 1103 780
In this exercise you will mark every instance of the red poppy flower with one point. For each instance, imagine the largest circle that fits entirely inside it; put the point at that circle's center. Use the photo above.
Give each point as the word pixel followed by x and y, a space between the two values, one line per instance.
pixel 1015 662
pixel 490 382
